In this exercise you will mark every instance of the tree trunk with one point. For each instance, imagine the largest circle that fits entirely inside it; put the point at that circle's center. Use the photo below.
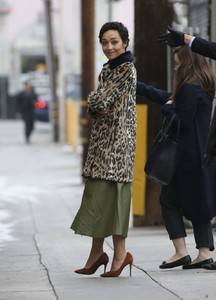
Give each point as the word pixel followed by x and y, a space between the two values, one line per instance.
pixel 151 20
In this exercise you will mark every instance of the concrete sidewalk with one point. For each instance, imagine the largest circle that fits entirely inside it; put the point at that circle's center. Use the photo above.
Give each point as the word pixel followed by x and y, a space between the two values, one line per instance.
pixel 40 192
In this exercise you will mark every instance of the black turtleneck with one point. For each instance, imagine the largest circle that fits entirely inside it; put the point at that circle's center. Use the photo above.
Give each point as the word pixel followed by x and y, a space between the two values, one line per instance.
pixel 124 57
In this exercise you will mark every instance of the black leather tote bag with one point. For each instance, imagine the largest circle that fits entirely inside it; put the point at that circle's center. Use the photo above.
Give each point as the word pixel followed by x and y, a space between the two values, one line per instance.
pixel 164 155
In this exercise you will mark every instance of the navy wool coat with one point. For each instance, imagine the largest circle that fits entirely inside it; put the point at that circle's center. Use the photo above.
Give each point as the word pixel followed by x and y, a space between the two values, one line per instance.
pixel 193 183
pixel 208 48
pixel 203 47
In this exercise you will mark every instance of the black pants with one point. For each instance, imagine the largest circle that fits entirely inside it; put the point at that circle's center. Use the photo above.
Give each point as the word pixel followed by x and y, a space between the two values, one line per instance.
pixel 173 220
pixel 29 125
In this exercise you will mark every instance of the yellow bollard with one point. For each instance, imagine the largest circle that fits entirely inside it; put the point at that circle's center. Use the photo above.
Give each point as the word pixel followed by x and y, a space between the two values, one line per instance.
pixel 72 124
pixel 139 183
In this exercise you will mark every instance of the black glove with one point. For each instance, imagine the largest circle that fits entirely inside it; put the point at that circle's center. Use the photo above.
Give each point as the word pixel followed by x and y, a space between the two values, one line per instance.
pixel 173 39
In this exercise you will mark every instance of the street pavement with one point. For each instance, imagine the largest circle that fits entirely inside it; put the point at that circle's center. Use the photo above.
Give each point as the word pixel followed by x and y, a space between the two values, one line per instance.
pixel 40 192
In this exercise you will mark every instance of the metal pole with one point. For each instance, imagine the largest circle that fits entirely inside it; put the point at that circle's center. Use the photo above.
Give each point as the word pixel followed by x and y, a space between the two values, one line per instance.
pixel 88 52
pixel 110 10
pixel 62 108
pixel 52 71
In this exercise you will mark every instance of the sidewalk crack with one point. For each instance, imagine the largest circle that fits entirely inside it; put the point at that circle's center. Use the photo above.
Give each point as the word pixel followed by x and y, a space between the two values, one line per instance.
pixel 152 278
pixel 44 266
pixel 109 245
pixel 38 250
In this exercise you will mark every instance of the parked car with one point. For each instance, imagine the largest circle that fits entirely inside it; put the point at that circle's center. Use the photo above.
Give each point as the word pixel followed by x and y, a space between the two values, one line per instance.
pixel 42 109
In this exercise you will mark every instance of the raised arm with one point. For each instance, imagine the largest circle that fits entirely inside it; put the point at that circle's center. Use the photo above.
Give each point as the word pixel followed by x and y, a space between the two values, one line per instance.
pixel 177 38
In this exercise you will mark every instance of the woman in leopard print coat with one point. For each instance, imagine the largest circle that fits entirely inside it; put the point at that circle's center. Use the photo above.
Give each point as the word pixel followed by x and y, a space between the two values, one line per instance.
pixel 112 144
pixel 105 206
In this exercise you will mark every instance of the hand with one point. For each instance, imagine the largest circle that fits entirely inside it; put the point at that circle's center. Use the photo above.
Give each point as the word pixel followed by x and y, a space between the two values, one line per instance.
pixel 173 39
pixel 169 102
pixel 104 112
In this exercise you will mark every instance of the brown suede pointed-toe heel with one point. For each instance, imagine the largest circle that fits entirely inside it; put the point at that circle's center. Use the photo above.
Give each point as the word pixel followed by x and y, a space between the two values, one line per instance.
pixel 127 261
pixel 102 260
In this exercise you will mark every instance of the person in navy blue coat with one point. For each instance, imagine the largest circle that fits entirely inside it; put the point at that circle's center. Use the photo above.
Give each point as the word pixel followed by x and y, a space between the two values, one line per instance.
pixel 206 48
pixel 190 193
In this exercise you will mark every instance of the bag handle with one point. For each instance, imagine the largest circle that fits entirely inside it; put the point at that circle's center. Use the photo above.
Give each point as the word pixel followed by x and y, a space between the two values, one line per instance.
pixel 166 129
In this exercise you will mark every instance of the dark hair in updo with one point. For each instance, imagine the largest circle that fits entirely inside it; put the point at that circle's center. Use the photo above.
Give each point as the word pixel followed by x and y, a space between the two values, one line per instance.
pixel 122 30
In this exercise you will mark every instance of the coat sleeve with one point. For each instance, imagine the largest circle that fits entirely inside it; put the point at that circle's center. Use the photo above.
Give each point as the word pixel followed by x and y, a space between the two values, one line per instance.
pixel 153 94
pixel 203 47
pixel 19 103
pixel 185 106
pixel 211 144
pixel 108 92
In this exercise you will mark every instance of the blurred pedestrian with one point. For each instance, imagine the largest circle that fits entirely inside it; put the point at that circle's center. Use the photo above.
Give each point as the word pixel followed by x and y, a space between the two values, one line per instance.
pixel 105 207
pixel 190 193
pixel 26 100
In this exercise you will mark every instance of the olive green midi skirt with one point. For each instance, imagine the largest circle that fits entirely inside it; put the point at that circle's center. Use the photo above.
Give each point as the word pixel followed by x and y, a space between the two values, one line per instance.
pixel 104 210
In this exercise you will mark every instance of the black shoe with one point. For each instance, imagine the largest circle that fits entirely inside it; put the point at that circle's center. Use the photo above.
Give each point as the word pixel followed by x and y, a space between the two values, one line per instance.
pixel 180 262
pixel 198 265
pixel 210 266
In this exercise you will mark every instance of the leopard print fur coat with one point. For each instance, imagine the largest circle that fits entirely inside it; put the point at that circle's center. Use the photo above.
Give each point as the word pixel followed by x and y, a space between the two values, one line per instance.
pixel 112 108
